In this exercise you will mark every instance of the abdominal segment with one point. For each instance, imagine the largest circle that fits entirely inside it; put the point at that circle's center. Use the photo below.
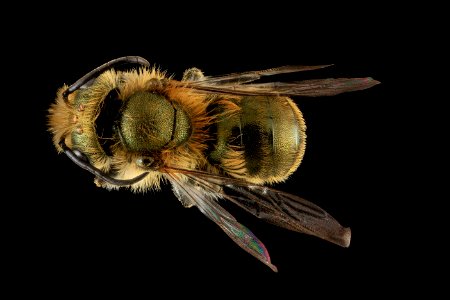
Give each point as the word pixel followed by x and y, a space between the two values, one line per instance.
pixel 263 143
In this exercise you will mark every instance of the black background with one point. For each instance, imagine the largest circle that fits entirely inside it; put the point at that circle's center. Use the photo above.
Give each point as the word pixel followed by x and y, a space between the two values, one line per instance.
pixel 68 234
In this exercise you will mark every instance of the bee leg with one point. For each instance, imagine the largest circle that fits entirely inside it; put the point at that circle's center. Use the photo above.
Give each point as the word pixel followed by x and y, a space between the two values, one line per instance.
pixel 106 66
pixel 192 74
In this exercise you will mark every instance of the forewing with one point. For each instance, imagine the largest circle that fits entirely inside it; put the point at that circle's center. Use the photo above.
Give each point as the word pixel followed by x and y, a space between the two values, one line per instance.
pixel 245 77
pixel 307 88
pixel 288 211
pixel 276 207
pixel 207 204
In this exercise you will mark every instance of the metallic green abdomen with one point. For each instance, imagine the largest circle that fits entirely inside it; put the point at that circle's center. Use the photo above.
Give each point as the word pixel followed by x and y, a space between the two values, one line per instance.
pixel 270 134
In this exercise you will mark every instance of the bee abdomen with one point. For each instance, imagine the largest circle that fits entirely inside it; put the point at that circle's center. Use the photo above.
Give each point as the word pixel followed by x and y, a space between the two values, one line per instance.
pixel 267 136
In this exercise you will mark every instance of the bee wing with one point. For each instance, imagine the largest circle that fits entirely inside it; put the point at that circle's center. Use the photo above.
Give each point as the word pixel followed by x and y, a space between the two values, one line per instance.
pixel 308 88
pixel 276 207
pixel 245 77
pixel 207 204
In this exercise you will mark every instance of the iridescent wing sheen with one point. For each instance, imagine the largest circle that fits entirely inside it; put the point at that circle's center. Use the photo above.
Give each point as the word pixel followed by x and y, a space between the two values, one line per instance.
pixel 307 88
pixel 207 204
pixel 276 207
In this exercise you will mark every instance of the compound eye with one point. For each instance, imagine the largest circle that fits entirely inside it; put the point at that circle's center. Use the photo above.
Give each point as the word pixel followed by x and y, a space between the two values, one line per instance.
pixel 145 162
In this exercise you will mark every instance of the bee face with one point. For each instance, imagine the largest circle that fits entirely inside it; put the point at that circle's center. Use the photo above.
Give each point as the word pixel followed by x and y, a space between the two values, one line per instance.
pixel 210 137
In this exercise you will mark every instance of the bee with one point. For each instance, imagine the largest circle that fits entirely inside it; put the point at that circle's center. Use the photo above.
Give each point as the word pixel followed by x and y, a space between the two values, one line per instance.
pixel 211 137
